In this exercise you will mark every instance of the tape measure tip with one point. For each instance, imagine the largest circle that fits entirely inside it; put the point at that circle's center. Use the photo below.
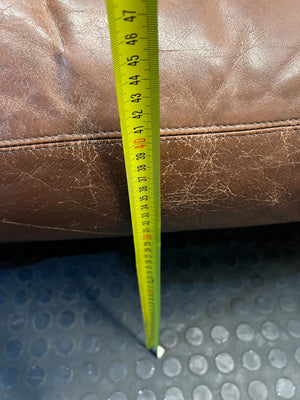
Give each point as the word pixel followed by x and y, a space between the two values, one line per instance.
pixel 157 352
pixel 160 351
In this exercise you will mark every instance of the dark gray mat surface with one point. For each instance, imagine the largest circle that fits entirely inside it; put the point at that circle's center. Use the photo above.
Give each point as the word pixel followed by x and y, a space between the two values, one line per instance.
pixel 71 325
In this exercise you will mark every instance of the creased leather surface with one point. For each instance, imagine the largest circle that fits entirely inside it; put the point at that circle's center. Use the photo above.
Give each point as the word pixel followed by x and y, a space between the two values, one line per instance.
pixel 214 181
pixel 230 117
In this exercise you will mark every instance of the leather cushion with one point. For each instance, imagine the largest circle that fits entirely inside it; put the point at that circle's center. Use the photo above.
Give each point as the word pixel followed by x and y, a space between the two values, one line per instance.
pixel 230 105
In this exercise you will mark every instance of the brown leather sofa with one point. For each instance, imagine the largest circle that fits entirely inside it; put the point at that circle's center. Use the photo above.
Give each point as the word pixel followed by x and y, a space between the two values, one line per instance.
pixel 230 117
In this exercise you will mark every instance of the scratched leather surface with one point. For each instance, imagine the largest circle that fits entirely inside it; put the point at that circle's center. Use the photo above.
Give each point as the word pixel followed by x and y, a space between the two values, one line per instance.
pixel 230 117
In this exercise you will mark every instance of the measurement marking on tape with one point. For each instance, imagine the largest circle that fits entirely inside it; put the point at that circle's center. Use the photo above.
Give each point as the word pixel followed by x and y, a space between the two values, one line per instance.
pixel 131 23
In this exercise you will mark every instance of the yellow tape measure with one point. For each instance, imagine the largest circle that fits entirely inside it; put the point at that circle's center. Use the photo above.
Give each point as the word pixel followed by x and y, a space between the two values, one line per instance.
pixel 134 42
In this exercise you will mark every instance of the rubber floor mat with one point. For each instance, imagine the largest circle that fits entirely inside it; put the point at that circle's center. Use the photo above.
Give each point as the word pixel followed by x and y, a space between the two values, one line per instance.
pixel 71 326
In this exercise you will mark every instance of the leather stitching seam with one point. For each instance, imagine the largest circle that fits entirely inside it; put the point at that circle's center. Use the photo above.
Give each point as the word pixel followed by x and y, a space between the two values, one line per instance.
pixel 186 138
pixel 260 124
pixel 257 125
